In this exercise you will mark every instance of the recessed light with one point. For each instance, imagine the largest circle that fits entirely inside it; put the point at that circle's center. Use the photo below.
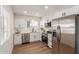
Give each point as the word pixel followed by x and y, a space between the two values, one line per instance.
pixel 25 11
pixel 46 7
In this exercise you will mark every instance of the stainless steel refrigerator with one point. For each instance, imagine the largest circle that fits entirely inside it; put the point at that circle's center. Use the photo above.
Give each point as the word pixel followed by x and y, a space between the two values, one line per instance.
pixel 64 35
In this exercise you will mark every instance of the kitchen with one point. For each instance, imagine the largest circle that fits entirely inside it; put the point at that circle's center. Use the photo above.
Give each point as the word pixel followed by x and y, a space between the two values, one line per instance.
pixel 41 29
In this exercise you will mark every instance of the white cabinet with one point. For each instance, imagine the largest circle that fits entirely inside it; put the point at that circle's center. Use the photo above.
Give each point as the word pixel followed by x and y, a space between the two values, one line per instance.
pixel 35 36
pixel 57 15
pixel 67 12
pixel 17 39
pixel 71 11
pixel 50 40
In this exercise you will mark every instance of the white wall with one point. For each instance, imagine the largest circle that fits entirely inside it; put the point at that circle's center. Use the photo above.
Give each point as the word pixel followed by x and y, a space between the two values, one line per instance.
pixel 7 46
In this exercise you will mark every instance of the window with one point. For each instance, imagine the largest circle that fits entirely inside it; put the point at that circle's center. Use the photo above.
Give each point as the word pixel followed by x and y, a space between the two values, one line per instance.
pixel 1 25
pixel 5 23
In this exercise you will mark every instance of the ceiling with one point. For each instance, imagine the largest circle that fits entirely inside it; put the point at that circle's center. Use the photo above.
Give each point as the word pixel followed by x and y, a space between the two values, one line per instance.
pixel 38 10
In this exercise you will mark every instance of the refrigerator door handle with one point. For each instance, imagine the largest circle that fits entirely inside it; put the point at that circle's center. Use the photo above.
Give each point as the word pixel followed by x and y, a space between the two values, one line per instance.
pixel 58 33
pixel 58 38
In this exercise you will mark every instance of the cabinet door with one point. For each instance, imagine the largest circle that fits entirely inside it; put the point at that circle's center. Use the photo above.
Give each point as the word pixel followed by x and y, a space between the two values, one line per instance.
pixel 35 37
pixel 72 11
pixel 17 39
pixel 38 36
pixel 57 15
pixel 50 37
pixel 67 12
pixel 32 37
pixel 50 40
pixel 50 43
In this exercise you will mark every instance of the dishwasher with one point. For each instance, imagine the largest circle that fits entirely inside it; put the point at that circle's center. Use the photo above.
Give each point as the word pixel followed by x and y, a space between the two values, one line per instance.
pixel 25 38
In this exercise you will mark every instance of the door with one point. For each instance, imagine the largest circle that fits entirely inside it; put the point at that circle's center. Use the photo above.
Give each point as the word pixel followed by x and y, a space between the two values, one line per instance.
pixel 67 39
pixel 64 35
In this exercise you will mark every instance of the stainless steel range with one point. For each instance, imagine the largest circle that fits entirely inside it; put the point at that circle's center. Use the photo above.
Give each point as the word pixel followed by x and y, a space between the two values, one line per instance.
pixel 45 38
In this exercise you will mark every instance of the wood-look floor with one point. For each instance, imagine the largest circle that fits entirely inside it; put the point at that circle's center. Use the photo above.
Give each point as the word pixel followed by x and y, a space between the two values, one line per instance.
pixel 32 48
pixel 40 48
pixel 63 49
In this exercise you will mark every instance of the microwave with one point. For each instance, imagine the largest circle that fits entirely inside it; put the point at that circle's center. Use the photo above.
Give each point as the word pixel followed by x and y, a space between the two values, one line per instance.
pixel 48 24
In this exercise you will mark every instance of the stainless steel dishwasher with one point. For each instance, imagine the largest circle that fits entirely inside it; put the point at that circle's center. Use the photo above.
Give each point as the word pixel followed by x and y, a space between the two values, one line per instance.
pixel 25 38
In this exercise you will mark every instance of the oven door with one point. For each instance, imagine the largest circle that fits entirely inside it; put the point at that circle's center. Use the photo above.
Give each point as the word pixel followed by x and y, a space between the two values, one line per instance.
pixel 44 39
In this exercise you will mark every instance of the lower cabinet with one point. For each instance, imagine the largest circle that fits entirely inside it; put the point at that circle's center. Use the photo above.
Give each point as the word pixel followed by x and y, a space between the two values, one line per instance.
pixel 35 37
pixel 17 39
pixel 50 40
pixel 26 38
pixel 49 44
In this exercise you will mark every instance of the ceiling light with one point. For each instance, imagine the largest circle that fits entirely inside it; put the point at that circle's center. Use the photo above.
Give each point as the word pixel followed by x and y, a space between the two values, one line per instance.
pixel 46 7
pixel 25 11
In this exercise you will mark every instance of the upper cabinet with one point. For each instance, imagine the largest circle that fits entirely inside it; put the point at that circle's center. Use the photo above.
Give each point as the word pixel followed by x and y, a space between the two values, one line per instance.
pixel 71 11
pixel 67 12
pixel 48 24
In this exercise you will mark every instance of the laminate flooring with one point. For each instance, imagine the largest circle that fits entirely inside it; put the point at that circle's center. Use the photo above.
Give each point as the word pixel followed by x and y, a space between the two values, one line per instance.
pixel 41 48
